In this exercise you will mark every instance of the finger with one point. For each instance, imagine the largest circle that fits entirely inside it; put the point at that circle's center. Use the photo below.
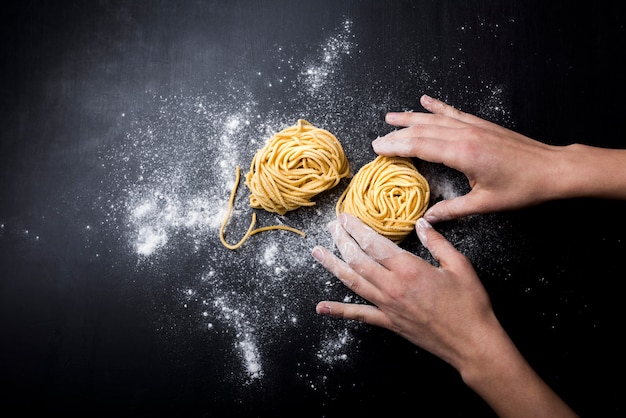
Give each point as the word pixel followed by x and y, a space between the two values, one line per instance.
pixel 343 272
pixel 440 108
pixel 352 252
pixel 355 311
pixel 437 107
pixel 456 208
pixel 440 248
pixel 404 119
pixel 428 142
pixel 371 242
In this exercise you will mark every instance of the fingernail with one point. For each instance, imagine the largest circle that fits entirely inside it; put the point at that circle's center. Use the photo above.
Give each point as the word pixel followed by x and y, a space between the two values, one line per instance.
pixel 342 218
pixel 427 99
pixel 423 223
pixel 430 218
pixel 379 144
pixel 322 309
pixel 391 117
pixel 318 254
pixel 422 226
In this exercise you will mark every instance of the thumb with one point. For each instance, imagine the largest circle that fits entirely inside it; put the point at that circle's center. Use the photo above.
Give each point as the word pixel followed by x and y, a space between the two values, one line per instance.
pixel 438 246
pixel 455 208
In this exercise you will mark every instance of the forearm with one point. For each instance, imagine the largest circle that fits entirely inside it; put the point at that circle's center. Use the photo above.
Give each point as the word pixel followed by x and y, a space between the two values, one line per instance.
pixel 503 378
pixel 585 171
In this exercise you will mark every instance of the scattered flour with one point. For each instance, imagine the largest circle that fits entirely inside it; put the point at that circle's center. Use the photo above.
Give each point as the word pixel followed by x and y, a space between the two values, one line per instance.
pixel 269 256
pixel 318 71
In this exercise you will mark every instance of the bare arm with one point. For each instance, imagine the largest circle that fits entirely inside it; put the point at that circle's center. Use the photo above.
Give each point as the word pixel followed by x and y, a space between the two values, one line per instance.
pixel 444 310
pixel 506 170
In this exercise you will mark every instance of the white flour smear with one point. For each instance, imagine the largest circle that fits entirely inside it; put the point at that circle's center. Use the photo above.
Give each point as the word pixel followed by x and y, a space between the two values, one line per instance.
pixel 172 175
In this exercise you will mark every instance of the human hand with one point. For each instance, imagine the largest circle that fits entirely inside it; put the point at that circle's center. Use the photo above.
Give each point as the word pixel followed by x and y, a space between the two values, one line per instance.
pixel 445 310
pixel 506 170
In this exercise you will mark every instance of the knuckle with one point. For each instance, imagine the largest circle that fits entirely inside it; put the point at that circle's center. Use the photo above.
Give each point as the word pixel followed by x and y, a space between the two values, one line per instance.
pixel 470 146
pixel 417 130
pixel 454 112
pixel 359 314
pixel 394 294
pixel 352 283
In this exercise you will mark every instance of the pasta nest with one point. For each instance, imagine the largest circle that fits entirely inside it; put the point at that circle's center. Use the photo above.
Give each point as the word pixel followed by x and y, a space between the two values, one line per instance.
pixel 295 165
pixel 389 195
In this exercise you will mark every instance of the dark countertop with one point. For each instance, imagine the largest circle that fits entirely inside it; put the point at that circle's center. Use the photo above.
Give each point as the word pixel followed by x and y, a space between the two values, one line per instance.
pixel 122 126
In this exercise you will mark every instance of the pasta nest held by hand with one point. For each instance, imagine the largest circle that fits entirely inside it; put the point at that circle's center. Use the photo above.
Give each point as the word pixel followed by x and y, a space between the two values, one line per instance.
pixel 389 195
pixel 296 164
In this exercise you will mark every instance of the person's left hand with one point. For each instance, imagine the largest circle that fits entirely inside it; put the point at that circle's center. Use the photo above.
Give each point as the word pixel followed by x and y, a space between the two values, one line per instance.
pixel 445 309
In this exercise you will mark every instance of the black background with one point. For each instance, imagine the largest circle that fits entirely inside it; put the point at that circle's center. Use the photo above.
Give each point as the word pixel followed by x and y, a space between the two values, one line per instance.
pixel 88 330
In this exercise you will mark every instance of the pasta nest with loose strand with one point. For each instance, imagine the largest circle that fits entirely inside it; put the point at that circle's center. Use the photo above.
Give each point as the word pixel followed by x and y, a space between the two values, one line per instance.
pixel 294 166
pixel 389 195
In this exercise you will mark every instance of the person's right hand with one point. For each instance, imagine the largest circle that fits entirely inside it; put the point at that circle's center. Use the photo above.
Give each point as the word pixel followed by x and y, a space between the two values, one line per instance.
pixel 506 170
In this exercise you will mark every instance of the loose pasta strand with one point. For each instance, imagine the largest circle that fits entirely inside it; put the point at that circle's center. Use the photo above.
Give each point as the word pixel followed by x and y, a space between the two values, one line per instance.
pixel 251 231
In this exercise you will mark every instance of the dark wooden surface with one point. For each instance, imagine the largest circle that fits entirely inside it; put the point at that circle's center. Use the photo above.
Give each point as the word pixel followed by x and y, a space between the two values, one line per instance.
pixel 107 106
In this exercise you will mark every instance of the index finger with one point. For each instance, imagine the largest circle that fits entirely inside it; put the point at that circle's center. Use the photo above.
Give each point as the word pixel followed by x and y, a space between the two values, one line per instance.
pixel 403 119
pixel 379 248
pixel 430 143
pixel 442 114
pixel 440 108
pixel 352 252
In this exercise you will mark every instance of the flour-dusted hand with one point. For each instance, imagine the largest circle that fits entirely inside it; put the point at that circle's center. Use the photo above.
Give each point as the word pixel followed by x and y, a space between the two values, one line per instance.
pixel 506 170
pixel 425 304
pixel 443 309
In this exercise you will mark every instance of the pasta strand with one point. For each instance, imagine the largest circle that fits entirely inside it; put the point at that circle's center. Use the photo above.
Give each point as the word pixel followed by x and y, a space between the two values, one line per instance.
pixel 250 231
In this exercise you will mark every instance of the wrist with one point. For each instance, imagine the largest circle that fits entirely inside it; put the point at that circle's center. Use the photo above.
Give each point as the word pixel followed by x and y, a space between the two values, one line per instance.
pixel 487 363
pixel 586 171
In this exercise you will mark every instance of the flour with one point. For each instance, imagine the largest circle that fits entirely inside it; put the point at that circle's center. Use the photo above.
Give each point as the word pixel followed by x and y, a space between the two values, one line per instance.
pixel 333 347
pixel 245 344
pixel 149 240
pixel 318 71
pixel 174 170
pixel 269 256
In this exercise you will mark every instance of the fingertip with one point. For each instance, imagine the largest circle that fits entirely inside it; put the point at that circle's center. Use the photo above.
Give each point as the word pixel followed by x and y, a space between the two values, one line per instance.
pixel 380 145
pixel 391 117
pixel 318 253
pixel 423 223
pixel 421 227
pixel 450 209
pixel 322 309
pixel 439 212
pixel 426 100
pixel 430 217
pixel 431 104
